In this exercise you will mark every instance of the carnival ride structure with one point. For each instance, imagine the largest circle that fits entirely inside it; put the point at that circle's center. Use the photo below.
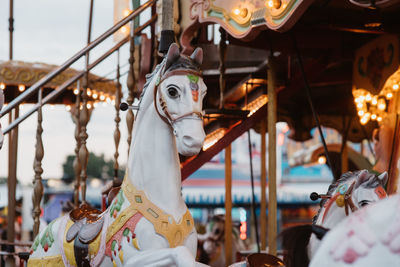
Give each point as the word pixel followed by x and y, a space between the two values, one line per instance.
pixel 315 54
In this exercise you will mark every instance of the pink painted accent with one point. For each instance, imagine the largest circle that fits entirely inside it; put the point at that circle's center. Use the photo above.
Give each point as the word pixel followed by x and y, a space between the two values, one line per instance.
pixel 195 95
pixel 380 192
pixel 131 224
pixel 101 253
pixel 350 256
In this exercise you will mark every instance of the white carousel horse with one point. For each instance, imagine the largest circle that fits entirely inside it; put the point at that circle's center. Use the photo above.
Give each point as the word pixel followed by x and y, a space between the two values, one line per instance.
pixel 352 191
pixel 369 237
pixel 211 245
pixel 1 106
pixel 148 223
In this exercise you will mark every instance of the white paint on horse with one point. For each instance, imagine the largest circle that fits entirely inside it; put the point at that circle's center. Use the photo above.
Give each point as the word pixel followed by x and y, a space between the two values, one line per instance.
pixel 369 237
pixel 154 168
pixel 158 174
pixel 360 196
pixel 1 106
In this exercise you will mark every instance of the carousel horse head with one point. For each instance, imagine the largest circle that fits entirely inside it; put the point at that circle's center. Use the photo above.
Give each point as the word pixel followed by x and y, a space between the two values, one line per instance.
pixel 348 194
pixel 178 96
pixel 351 192
pixel 1 106
pixel 366 238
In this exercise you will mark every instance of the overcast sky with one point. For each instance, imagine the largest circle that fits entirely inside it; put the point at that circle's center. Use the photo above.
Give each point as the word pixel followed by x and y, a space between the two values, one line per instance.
pixel 51 31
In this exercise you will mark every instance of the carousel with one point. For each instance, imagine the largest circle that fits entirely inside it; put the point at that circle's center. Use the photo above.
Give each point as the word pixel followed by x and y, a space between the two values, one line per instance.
pixel 217 70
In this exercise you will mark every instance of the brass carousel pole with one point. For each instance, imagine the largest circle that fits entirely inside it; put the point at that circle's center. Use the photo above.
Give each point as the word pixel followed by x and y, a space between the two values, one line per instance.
pixel 84 118
pixel 117 134
pixel 272 204
pixel 12 156
pixel 77 164
pixel 131 84
pixel 228 155
pixel 37 166
pixel 263 211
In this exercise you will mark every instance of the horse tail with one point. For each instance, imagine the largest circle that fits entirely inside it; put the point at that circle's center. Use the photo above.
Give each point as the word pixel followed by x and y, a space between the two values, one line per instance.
pixel 295 241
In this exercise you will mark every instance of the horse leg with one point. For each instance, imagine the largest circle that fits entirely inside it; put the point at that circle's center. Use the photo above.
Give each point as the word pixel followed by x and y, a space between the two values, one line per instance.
pixel 179 257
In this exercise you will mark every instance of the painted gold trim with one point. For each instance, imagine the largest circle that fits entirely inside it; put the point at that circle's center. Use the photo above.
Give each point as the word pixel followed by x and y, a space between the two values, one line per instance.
pixel 164 224
pixel 46 261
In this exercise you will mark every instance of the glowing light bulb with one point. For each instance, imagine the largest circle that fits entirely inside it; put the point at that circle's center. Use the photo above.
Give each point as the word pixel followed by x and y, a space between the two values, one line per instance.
pixel 368 97
pixel 124 29
pixel 68 107
pixel 95 104
pixel 108 99
pixel 236 11
pixel 126 12
pixel 76 91
pixel 2 86
pixel 374 101
pixel 360 113
pixel 395 86
pixel 21 87
pixel 321 160
pixel 89 106
pixel 381 104
pixel 379 119
pixel 373 117
pixel 89 92
pixel 389 95
pixel 102 97
pixel 359 105
pixel 95 95
pixel 270 3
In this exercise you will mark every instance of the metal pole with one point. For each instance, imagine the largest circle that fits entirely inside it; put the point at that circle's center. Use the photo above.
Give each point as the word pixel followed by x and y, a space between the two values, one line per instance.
pixel 228 205
pixel 272 204
pixel 253 196
pixel 11 28
pixel 12 185
pixel 263 211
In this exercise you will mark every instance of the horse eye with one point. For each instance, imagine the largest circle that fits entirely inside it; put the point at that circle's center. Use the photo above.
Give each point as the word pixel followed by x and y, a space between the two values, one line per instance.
pixel 363 203
pixel 172 92
pixel 216 231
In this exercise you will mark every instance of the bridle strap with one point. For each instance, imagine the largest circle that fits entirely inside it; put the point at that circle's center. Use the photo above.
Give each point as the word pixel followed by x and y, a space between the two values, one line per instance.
pixel 348 201
pixel 168 118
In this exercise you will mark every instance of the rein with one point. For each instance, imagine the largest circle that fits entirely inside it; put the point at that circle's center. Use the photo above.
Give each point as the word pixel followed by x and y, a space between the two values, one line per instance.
pixel 168 119
pixel 342 198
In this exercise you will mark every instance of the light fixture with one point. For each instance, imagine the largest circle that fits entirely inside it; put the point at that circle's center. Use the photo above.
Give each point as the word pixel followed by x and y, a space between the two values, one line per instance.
pixel 89 92
pixel 68 107
pixel 236 11
pixel 395 87
pixel 126 12
pixel 88 106
pixel 381 104
pixel 21 87
pixel 2 86
pixel 95 95
pixel 124 29
pixel 76 91
pixel 321 160
pixel 102 97
pixel 389 95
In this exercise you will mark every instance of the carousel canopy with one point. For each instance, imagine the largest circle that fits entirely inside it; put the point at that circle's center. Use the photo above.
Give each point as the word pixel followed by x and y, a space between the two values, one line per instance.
pixel 16 76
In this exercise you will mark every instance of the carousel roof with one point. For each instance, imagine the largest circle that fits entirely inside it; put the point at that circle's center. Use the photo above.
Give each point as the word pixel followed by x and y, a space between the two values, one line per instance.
pixel 15 76
pixel 327 37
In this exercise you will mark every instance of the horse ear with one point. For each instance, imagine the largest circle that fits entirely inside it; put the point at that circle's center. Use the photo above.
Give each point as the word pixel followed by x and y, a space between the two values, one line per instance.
pixel 197 56
pixel 362 177
pixel 172 55
pixel 384 178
